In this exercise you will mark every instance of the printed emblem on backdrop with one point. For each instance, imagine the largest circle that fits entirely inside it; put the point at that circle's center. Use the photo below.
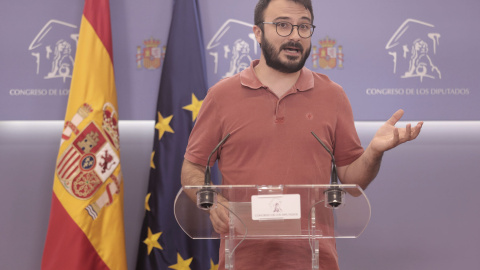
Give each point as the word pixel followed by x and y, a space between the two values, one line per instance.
pixel 413 48
pixel 328 55
pixel 232 48
pixel 151 55
pixel 53 50
pixel 91 158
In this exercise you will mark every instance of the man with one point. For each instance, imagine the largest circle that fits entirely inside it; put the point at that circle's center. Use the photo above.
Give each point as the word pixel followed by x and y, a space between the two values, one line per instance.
pixel 270 110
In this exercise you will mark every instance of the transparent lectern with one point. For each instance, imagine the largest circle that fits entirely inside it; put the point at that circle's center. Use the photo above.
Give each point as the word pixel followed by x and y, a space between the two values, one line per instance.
pixel 309 212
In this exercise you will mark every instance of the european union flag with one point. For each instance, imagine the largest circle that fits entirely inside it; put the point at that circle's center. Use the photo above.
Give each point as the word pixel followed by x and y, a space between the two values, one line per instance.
pixel 183 85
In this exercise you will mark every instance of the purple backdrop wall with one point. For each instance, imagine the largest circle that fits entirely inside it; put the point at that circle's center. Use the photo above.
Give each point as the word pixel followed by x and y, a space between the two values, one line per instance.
pixel 416 55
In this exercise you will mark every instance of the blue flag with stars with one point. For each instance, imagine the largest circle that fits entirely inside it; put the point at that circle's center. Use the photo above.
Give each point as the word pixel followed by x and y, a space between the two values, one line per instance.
pixel 183 85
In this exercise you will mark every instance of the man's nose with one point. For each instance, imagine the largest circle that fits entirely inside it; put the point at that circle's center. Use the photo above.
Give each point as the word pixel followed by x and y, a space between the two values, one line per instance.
pixel 295 35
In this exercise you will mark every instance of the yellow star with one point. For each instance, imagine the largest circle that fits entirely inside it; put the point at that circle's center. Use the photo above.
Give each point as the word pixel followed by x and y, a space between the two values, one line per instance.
pixel 147 198
pixel 194 107
pixel 152 241
pixel 152 164
pixel 213 266
pixel 163 125
pixel 181 264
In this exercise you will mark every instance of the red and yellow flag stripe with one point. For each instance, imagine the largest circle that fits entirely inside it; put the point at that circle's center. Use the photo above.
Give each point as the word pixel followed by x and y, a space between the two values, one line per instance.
pixel 86 228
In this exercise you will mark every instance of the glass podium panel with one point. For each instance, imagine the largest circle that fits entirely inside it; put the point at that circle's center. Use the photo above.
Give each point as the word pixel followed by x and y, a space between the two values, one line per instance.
pixel 309 212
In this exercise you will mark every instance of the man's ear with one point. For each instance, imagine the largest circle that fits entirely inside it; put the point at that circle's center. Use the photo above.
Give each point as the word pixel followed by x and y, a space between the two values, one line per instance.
pixel 258 33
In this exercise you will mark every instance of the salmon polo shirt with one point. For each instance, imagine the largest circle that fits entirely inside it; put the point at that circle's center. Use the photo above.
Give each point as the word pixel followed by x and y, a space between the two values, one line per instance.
pixel 270 139
pixel 271 143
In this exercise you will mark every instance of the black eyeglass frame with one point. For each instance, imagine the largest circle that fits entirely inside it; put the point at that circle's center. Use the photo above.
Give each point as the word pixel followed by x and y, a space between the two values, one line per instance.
pixel 293 26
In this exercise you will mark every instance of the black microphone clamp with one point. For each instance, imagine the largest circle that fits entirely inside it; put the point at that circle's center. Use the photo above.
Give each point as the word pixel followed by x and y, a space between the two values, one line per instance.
pixel 334 197
pixel 206 198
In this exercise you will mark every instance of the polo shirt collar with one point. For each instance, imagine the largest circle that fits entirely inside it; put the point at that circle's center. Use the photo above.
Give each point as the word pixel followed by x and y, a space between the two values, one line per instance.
pixel 249 79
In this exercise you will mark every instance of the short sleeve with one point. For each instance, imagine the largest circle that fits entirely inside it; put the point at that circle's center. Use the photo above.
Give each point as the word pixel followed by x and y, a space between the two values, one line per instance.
pixel 206 133
pixel 347 143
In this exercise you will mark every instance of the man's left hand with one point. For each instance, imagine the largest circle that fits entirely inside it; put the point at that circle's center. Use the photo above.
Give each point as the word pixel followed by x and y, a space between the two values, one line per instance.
pixel 388 136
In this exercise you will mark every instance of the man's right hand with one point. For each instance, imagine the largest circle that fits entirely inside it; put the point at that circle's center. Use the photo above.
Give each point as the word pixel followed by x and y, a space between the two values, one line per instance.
pixel 219 216
pixel 193 175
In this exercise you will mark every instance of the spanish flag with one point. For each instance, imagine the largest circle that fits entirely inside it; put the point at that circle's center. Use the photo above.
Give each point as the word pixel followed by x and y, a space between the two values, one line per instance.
pixel 86 229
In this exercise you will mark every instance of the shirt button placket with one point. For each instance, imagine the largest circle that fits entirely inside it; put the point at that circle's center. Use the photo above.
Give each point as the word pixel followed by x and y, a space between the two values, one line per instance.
pixel 280 112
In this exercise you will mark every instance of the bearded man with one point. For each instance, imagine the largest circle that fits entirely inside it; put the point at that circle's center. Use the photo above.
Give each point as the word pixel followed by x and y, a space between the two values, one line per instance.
pixel 270 110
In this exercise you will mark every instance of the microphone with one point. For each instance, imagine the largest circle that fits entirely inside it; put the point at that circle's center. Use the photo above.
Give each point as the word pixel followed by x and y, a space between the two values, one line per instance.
pixel 206 195
pixel 334 194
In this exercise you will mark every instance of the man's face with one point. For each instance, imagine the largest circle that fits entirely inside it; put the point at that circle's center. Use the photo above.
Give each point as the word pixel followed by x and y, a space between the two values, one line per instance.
pixel 294 61
pixel 285 54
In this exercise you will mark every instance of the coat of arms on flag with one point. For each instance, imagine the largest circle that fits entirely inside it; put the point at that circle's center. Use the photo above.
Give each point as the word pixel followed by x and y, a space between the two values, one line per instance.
pixel 91 158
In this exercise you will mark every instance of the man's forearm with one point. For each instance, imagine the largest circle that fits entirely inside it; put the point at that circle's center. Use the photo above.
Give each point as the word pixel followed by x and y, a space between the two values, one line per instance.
pixel 363 170
pixel 192 175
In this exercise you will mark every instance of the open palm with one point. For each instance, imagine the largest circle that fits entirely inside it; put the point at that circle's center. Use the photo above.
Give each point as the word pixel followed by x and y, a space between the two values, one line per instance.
pixel 388 136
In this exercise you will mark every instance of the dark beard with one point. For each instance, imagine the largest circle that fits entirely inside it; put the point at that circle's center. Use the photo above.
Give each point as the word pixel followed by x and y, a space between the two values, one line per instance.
pixel 273 61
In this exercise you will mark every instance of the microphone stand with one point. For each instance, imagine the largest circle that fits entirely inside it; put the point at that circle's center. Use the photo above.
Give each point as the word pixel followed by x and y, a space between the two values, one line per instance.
pixel 206 196
pixel 334 194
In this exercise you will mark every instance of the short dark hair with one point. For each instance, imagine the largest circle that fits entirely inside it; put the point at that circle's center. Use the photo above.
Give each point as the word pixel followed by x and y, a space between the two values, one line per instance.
pixel 263 4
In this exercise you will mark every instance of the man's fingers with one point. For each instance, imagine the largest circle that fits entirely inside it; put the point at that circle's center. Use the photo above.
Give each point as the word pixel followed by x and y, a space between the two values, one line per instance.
pixel 219 219
pixel 416 130
pixel 396 136
pixel 412 133
pixel 395 117
pixel 408 133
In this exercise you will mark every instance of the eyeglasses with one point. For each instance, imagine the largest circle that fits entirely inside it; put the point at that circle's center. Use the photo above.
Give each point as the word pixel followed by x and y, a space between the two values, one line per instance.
pixel 285 29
